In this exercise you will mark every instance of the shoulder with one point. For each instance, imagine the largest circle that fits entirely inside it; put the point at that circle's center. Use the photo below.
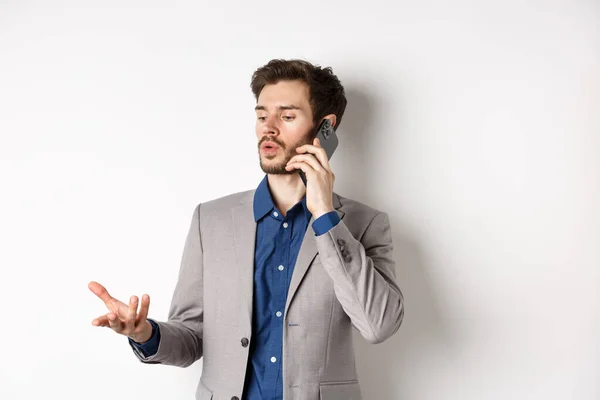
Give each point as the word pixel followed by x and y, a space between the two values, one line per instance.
pixel 359 213
pixel 349 205
pixel 226 203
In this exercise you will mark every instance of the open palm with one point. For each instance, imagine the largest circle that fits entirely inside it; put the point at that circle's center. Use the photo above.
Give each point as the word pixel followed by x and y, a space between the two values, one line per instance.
pixel 122 318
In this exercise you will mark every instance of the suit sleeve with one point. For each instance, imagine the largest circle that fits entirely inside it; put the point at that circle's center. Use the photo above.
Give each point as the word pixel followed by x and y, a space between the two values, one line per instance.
pixel 364 278
pixel 181 335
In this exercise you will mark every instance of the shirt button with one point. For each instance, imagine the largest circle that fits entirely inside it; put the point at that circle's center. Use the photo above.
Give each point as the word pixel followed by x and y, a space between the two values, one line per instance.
pixel 276 214
pixel 280 268
pixel 278 313
pixel 245 342
pixel 285 225
pixel 235 398
pixel 273 359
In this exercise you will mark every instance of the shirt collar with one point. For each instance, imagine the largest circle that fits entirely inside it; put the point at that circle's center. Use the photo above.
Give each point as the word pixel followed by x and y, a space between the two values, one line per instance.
pixel 263 202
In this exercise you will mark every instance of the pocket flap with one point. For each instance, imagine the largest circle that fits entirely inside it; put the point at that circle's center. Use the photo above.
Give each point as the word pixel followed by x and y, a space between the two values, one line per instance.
pixel 340 391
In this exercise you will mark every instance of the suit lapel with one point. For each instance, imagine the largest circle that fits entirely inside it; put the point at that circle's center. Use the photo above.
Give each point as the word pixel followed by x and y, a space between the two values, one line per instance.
pixel 308 252
pixel 244 230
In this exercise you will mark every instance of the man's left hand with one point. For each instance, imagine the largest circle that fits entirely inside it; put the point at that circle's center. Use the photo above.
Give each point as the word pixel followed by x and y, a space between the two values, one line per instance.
pixel 313 160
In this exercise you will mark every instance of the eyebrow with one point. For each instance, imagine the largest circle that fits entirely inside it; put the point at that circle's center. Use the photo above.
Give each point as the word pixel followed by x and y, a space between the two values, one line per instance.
pixel 287 107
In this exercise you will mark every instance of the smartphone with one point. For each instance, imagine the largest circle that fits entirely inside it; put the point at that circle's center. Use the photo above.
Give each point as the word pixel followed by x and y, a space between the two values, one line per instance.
pixel 329 141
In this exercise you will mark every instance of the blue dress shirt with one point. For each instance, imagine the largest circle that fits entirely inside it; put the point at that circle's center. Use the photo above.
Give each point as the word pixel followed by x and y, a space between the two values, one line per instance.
pixel 278 241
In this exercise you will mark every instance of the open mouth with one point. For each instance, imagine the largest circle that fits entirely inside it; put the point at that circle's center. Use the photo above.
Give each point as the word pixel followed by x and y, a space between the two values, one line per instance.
pixel 269 146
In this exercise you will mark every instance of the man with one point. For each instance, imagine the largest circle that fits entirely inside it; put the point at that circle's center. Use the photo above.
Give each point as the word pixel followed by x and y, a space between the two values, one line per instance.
pixel 273 279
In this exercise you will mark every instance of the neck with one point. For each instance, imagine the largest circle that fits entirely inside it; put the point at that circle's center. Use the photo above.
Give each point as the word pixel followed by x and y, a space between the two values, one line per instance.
pixel 286 190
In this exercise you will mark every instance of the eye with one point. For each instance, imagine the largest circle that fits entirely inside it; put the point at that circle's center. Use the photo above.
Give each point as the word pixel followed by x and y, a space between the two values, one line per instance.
pixel 288 117
pixel 261 118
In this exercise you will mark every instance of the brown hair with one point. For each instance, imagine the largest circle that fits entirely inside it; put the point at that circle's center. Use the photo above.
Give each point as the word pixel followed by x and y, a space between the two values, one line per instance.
pixel 326 93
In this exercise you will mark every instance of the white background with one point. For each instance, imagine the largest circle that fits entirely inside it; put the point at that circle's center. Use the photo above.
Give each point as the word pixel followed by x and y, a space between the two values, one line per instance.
pixel 475 125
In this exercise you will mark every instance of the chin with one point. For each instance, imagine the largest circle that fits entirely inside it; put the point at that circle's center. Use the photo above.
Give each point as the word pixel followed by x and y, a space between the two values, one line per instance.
pixel 275 169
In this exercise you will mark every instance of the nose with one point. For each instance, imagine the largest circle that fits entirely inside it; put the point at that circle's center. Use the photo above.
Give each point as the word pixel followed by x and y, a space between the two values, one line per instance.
pixel 270 126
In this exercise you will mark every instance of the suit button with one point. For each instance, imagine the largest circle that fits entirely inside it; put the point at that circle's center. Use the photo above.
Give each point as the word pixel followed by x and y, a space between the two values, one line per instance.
pixel 235 398
pixel 245 342
pixel 341 242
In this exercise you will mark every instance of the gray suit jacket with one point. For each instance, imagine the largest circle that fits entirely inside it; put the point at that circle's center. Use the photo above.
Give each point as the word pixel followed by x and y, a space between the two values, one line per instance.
pixel 341 279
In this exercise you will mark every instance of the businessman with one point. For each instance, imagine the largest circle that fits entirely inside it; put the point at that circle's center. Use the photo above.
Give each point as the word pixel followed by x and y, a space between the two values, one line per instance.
pixel 273 279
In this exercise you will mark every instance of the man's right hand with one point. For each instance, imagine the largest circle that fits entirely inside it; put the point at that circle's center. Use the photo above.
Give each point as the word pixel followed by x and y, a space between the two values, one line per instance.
pixel 123 318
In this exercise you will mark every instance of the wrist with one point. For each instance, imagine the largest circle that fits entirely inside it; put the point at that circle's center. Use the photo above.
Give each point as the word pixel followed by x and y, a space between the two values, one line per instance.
pixel 144 335
pixel 321 212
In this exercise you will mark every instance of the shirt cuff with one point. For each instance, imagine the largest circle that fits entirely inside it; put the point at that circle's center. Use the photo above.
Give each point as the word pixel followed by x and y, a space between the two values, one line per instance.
pixel 150 347
pixel 325 223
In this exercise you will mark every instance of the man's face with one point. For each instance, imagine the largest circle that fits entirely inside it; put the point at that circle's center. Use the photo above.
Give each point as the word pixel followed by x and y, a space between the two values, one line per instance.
pixel 284 122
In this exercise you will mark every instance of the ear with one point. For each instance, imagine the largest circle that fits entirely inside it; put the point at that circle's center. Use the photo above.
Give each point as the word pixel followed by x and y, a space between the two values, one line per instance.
pixel 332 118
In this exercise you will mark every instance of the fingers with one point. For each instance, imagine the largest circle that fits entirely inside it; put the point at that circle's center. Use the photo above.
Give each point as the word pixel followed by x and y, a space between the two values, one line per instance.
pixel 308 159
pixel 101 292
pixel 128 320
pixel 308 169
pixel 318 152
pixel 101 321
pixel 122 318
pixel 131 314
pixel 143 314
